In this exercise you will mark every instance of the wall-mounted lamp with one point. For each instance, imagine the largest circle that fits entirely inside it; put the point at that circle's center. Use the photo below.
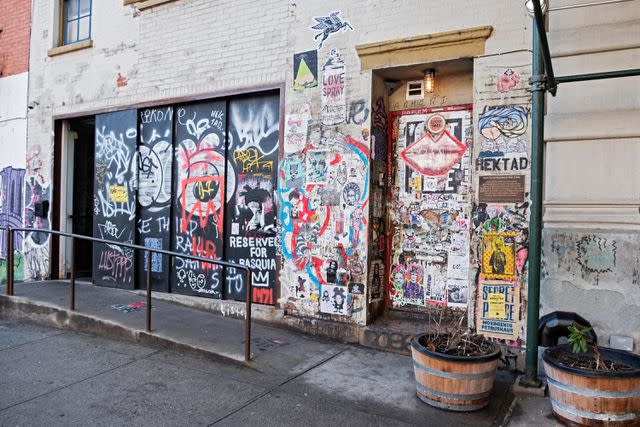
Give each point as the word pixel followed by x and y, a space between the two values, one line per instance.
pixel 429 81
pixel 529 5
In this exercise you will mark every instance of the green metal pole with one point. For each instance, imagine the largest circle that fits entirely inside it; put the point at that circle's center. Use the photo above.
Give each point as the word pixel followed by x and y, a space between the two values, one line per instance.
pixel 535 221
pixel 597 76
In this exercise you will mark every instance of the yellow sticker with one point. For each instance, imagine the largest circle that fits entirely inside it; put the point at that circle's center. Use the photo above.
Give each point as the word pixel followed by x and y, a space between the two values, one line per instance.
pixel 118 194
pixel 499 255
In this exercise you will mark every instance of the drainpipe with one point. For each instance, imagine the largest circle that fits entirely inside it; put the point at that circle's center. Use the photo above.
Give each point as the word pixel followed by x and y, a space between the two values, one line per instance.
pixel 538 87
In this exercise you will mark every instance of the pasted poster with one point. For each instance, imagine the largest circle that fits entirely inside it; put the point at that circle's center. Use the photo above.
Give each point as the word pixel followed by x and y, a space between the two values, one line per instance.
pixel 334 81
pixel 292 172
pixel 114 197
pixel 305 70
pixel 457 292
pixel 295 132
pixel 317 167
pixel 431 203
pixel 499 255
pixel 154 168
pixel 501 132
pixel 254 137
pixel 498 309
pixel 199 188
pixel 333 299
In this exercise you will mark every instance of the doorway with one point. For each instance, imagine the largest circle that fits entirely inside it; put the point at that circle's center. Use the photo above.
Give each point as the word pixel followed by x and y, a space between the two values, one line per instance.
pixel 428 135
pixel 79 206
pixel 429 255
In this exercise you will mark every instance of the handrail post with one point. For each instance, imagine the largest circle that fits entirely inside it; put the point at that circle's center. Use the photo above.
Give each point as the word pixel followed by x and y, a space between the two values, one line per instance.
pixel 247 324
pixel 9 261
pixel 148 290
pixel 72 297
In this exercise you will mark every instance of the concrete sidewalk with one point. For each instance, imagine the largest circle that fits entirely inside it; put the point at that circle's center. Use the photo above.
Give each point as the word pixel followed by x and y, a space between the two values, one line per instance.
pixel 369 382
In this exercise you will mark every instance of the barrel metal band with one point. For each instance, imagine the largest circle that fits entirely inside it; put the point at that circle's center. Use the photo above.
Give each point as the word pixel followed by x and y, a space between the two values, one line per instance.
pixel 591 392
pixel 559 407
pixel 450 406
pixel 453 375
pixel 453 395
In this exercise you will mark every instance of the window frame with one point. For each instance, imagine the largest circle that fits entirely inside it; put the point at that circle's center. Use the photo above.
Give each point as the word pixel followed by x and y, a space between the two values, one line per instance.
pixel 65 21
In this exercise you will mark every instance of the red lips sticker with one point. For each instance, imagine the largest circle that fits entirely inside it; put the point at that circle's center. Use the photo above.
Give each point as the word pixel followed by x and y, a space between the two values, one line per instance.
pixel 434 156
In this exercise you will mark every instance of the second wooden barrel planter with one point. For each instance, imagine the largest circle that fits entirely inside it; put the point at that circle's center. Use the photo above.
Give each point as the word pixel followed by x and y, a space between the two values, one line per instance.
pixel 453 382
pixel 587 397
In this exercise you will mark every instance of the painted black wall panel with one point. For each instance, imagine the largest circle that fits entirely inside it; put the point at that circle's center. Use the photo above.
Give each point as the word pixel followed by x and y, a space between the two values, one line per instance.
pixel 154 167
pixel 115 198
pixel 199 196
pixel 252 155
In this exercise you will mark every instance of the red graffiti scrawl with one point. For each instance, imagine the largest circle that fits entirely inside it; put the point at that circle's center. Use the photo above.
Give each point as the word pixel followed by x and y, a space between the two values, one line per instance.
pixel 434 156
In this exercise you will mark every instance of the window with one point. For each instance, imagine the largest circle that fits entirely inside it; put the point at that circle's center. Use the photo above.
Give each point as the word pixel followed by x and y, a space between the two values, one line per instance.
pixel 77 21
pixel 415 90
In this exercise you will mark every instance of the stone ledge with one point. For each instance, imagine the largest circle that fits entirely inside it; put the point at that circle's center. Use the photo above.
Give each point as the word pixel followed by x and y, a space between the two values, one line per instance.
pixel 151 3
pixel 427 48
pixel 85 44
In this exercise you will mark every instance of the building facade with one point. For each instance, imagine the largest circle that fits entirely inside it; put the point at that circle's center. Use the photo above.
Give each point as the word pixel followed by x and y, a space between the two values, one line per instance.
pixel 592 191
pixel 359 157
pixel 14 76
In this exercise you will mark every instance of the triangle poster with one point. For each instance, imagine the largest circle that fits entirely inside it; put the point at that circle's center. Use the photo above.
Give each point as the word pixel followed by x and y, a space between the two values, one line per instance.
pixel 305 70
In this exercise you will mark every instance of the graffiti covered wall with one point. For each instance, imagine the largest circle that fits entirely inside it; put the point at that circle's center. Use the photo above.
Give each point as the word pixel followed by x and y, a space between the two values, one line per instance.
pixel 154 168
pixel 431 212
pixel 114 207
pixel 199 188
pixel 323 183
pixel 253 148
pixel 500 218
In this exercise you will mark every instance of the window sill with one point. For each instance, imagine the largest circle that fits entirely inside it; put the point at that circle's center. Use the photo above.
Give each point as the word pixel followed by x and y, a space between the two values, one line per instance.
pixel 146 4
pixel 84 44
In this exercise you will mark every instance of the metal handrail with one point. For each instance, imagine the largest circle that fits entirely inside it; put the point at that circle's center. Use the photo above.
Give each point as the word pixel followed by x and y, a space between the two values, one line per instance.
pixel 11 231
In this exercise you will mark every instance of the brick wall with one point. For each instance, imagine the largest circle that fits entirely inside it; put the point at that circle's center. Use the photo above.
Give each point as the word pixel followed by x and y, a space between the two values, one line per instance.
pixel 15 18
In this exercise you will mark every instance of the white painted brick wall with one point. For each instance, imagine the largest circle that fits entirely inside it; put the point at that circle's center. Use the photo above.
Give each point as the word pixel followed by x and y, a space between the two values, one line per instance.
pixel 191 47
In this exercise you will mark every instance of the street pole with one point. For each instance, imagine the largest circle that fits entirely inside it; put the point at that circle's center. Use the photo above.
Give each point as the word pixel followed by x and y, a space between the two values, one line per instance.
pixel 538 88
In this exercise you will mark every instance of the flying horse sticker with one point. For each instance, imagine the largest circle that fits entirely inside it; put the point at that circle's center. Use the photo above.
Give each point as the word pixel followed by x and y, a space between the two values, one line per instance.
pixel 328 25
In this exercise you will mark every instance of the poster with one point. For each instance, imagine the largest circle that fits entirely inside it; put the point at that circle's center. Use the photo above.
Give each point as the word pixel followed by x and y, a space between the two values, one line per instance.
pixel 293 172
pixel 333 299
pixel 305 70
pixel 317 167
pixel 498 309
pixel 295 132
pixel 334 105
pixel 457 293
pixel 499 255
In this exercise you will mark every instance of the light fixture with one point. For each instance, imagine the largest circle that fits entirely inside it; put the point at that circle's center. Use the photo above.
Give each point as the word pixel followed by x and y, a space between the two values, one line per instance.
pixel 529 5
pixel 429 81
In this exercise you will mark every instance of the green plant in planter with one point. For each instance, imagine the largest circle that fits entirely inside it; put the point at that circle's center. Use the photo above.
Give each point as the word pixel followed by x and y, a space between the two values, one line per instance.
pixel 578 339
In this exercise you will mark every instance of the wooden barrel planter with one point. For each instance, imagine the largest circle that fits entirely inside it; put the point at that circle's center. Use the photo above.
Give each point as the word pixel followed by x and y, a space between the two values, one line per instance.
pixel 594 398
pixel 455 383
